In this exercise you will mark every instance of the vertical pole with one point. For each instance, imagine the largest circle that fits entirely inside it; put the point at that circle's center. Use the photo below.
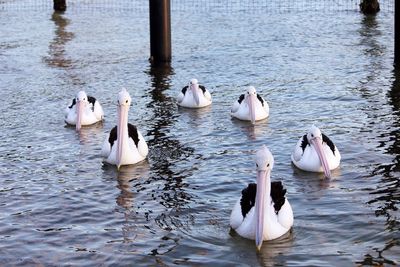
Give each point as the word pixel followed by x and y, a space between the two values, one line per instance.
pixel 396 33
pixel 60 5
pixel 160 31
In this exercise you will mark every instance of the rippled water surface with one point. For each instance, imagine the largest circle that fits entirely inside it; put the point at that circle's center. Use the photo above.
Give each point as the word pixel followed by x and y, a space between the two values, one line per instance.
pixel 60 205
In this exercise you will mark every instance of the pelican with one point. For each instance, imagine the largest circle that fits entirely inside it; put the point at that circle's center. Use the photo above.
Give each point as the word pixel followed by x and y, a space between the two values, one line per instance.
pixel 196 97
pixel 83 110
pixel 262 212
pixel 315 152
pixel 250 106
pixel 124 145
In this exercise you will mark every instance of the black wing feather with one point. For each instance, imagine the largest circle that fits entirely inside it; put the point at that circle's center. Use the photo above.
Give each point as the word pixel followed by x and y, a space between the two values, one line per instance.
pixel 113 136
pixel 241 97
pixel 184 89
pixel 202 88
pixel 132 132
pixel 249 197
pixel 73 103
pixel 304 143
pixel 92 100
pixel 278 195
pixel 260 99
pixel 328 141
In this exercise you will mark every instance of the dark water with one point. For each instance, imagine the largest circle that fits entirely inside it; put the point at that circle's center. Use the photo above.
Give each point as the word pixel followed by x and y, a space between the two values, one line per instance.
pixel 60 205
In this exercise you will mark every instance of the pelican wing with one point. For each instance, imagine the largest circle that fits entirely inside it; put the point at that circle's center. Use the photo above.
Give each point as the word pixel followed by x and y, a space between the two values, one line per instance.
pixel 207 95
pixel 299 148
pixel 98 111
pixel 142 146
pixel 109 142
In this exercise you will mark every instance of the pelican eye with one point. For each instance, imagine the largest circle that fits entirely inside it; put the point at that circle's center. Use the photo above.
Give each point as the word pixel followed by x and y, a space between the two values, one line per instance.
pixel 268 165
pixel 126 101
pixel 312 135
pixel 256 165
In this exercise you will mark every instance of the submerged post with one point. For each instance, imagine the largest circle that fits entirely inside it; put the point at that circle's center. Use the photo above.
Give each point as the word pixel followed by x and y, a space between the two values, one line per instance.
pixel 160 31
pixel 60 5
pixel 397 34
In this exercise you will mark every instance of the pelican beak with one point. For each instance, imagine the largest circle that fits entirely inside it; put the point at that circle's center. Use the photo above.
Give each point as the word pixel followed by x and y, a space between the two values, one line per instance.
pixel 79 114
pixel 260 207
pixel 121 129
pixel 252 108
pixel 317 143
pixel 195 92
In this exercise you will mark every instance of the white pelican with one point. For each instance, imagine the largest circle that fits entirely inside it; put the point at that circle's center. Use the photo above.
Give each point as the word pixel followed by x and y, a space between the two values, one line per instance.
pixel 250 106
pixel 124 145
pixel 315 152
pixel 262 212
pixel 83 110
pixel 194 95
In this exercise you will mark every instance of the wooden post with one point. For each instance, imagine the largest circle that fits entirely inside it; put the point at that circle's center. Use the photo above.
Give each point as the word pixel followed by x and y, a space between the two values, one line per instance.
pixel 370 6
pixel 60 5
pixel 160 31
pixel 397 33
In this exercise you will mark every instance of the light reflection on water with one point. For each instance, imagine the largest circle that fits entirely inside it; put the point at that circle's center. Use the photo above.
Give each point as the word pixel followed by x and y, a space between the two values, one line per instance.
pixel 60 204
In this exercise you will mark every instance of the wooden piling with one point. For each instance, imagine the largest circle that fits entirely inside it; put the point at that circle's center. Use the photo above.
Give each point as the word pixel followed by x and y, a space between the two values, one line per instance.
pixel 160 31
pixel 60 5
pixel 397 34
pixel 370 6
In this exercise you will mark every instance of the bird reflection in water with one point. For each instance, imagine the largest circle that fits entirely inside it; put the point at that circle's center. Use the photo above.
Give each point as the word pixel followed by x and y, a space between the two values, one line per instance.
pixel 125 176
pixel 271 252
pixel 126 199
pixel 252 131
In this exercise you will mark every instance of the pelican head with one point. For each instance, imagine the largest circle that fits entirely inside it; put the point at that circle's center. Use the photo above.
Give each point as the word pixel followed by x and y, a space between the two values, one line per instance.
pixel 251 101
pixel 81 102
pixel 194 87
pixel 314 137
pixel 124 102
pixel 264 165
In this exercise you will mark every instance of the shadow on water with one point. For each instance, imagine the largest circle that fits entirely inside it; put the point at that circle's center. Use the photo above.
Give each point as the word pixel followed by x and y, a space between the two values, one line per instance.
pixel 386 194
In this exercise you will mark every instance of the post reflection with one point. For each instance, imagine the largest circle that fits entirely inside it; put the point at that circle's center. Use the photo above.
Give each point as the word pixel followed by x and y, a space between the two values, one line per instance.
pixel 386 193
pixel 166 151
pixel 57 57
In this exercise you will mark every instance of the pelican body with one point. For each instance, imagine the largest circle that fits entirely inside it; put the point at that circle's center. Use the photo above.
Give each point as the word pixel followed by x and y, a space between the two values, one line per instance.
pixel 262 212
pixel 250 106
pixel 194 95
pixel 124 145
pixel 315 152
pixel 83 110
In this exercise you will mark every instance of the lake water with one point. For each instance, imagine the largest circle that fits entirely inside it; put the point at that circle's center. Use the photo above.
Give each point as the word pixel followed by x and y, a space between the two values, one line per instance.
pixel 314 63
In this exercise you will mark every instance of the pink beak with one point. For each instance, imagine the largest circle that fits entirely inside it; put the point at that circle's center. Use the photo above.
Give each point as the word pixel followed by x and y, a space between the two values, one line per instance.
pixel 79 114
pixel 121 130
pixel 251 101
pixel 317 143
pixel 195 92
pixel 260 207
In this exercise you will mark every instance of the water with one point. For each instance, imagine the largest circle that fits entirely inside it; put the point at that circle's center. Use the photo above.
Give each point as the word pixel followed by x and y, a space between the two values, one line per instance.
pixel 60 205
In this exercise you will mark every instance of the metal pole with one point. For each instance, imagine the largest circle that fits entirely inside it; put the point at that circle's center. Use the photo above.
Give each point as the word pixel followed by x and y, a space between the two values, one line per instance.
pixel 60 5
pixel 396 33
pixel 160 31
